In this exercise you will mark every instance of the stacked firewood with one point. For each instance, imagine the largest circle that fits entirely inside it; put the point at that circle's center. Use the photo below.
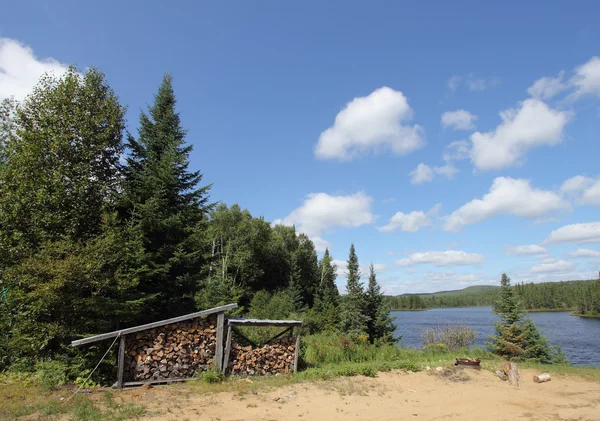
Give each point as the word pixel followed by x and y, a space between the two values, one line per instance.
pixel 272 358
pixel 178 350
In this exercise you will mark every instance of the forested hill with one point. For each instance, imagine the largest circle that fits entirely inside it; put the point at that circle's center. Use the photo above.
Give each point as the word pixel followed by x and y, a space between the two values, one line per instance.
pixel 582 296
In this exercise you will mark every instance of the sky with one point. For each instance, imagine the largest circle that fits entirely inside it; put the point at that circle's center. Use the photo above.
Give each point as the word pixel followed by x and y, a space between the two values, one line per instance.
pixel 449 141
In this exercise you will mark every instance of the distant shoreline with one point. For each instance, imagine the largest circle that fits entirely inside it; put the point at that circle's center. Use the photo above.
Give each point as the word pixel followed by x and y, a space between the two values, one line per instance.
pixel 587 316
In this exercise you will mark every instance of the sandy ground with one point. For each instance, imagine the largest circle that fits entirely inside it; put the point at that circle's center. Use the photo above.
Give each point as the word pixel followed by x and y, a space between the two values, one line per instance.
pixel 477 395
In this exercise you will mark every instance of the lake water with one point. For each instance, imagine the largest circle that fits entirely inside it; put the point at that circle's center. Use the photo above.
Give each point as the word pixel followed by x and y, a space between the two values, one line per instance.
pixel 579 337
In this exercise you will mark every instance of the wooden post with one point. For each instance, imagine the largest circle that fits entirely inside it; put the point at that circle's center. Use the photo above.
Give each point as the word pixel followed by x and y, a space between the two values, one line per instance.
pixel 297 349
pixel 227 349
pixel 121 363
pixel 219 346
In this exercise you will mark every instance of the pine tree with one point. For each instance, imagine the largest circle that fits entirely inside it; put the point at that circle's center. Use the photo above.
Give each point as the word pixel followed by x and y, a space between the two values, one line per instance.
pixel 328 295
pixel 516 338
pixel 165 210
pixel 380 326
pixel 295 288
pixel 353 319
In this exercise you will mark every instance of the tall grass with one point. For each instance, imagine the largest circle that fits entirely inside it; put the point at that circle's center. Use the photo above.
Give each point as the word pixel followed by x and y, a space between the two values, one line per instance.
pixel 453 336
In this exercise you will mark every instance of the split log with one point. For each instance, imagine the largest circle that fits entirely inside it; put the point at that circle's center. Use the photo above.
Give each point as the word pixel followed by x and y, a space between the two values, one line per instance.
pixel 512 372
pixel 273 358
pixel 178 350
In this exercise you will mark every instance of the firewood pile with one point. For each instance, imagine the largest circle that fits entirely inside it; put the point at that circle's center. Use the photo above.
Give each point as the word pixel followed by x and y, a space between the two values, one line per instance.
pixel 178 350
pixel 274 358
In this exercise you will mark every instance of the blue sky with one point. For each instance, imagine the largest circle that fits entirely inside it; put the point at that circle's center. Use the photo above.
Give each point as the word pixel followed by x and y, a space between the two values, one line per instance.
pixel 441 138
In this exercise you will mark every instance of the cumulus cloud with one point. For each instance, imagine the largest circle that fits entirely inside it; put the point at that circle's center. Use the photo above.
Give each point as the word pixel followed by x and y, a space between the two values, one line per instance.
pixel 532 125
pixel 547 87
pixel 456 150
pixel 371 123
pixel 320 244
pixel 583 233
pixel 342 268
pixel 459 120
pixel 585 189
pixel 412 221
pixel 558 266
pixel 422 174
pixel 525 250
pixel 321 211
pixel 454 82
pixel 583 253
pixel 442 258
pixel 587 78
pixel 507 196
pixel 20 69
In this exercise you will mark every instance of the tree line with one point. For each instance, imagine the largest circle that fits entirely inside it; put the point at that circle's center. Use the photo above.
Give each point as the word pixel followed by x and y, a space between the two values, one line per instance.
pixel 101 229
pixel 582 296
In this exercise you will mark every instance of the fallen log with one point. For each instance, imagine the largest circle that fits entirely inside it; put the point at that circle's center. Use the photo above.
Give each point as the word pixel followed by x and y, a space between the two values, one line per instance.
pixel 541 378
pixel 512 372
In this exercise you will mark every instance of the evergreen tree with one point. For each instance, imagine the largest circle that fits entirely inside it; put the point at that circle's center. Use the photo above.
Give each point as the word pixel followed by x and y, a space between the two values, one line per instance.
pixel 328 296
pixel 380 327
pixel 353 319
pixel 294 289
pixel 517 338
pixel 165 209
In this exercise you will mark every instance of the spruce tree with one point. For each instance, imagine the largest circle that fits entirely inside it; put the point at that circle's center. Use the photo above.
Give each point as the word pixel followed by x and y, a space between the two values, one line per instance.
pixel 516 338
pixel 294 289
pixel 380 326
pixel 166 210
pixel 353 319
pixel 328 296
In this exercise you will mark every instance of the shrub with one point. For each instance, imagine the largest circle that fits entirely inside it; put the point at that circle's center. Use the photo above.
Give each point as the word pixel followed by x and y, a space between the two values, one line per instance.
pixel 51 374
pixel 452 336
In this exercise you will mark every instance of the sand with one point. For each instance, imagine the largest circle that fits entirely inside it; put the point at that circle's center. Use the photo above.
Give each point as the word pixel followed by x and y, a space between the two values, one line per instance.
pixel 475 395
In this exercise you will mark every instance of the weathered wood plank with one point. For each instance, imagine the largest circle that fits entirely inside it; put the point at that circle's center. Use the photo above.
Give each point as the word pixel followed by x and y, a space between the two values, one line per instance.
pixel 258 322
pixel 227 350
pixel 297 349
pixel 121 363
pixel 219 344
pixel 141 383
pixel 134 329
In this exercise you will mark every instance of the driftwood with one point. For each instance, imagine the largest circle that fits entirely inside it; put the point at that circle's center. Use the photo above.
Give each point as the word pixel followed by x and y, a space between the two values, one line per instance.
pixel 541 378
pixel 177 350
pixel 502 375
pixel 512 372
pixel 277 357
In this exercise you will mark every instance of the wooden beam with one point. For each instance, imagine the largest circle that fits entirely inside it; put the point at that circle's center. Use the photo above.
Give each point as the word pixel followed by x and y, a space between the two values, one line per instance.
pixel 219 344
pixel 121 363
pixel 258 322
pixel 279 335
pixel 250 341
pixel 227 349
pixel 141 383
pixel 134 329
pixel 297 349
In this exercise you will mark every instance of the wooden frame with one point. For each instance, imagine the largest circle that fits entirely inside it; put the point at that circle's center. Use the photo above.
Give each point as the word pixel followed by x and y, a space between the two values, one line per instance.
pixel 289 324
pixel 122 334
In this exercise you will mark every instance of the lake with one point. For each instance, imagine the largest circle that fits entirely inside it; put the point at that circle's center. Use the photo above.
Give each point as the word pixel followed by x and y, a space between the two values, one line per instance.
pixel 579 337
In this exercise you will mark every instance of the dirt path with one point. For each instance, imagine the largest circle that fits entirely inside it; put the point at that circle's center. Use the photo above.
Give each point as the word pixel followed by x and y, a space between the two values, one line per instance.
pixel 390 396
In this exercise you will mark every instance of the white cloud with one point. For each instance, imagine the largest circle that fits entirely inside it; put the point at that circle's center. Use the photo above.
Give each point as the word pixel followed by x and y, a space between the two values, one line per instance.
pixel 448 170
pixel 379 267
pixel 585 189
pixel 583 253
pixel 587 232
pixel 531 125
pixel 410 222
pixel 476 85
pixel 320 244
pixel 442 258
pixel 526 250
pixel 422 174
pixel 507 196
pixel 321 211
pixel 587 78
pixel 556 267
pixel 20 69
pixel 459 120
pixel 547 87
pixel 371 123
pixel 456 150
pixel 454 82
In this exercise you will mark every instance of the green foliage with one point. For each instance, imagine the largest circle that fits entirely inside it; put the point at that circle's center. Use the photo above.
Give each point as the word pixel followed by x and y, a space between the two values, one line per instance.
pixel 516 338
pixel 453 337
pixel 213 375
pixel 353 318
pixel 165 211
pixel 59 175
pixel 380 326
pixel 51 374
